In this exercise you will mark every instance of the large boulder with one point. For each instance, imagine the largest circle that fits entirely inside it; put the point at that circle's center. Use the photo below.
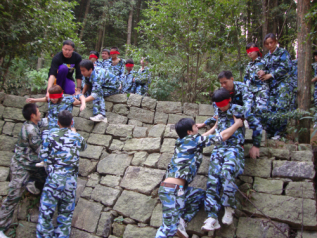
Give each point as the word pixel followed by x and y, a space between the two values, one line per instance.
pixel 145 144
pixel 169 107
pixel 141 114
pixel 120 130
pixel 114 164
pixel 293 169
pixel 105 195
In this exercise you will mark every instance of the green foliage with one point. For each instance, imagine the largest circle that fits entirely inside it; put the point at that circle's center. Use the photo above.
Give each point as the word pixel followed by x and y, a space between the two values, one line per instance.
pixel 38 79
pixel 119 219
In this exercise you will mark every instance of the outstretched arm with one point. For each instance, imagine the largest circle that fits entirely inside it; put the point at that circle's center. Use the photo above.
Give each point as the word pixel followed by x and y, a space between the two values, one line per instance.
pixel 33 100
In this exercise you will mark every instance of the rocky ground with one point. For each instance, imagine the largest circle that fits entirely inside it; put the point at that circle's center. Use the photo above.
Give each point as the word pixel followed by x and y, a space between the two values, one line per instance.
pixel 120 172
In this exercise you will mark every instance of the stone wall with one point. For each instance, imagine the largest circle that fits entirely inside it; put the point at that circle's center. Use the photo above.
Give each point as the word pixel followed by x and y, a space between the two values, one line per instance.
pixel 120 172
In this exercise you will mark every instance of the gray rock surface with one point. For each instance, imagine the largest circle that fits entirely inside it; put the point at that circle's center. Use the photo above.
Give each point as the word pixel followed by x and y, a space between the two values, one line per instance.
pixel 134 100
pixel 121 109
pixel 106 195
pixel 5 158
pixel 206 110
pixel 14 101
pixel 86 166
pixel 160 118
pixel 100 128
pixel 26 230
pixel 141 179
pixel 169 107
pixel 140 114
pixel 114 118
pixel 305 155
pixel 92 152
pixel 116 145
pixel 191 109
pixel 157 131
pixel 86 215
pixel 157 218
pixel 102 140
pixel 82 124
pixel 268 186
pixel 134 231
pixel 140 132
pixel 294 170
pixel 110 181
pixel 174 118
pixel 152 159
pixel 301 189
pixel 114 164
pixel 117 98
pixel 164 160
pixel 7 143
pixel 4 173
pixel 139 158
pixel 258 167
pixel 149 103
pixel 120 130
pixel 145 144
pixel 140 211
pixel 168 145
pixel 105 224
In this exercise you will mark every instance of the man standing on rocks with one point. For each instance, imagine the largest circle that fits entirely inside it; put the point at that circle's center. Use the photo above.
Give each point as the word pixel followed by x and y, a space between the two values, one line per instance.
pixel 23 164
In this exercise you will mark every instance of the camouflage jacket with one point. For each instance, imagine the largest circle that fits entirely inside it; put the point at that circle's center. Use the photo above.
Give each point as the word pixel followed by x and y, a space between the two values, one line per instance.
pixel 294 73
pixel 279 65
pixel 225 120
pixel 251 78
pixel 98 64
pixel 188 156
pixel 54 109
pixel 117 70
pixel 142 81
pixel 106 63
pixel 29 142
pixel 128 86
pixel 240 96
pixel 314 65
pixel 61 150
pixel 99 80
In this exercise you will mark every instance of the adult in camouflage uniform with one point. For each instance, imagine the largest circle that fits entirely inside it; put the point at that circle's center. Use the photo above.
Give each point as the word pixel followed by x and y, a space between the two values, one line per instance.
pixel 61 151
pixel 128 79
pixel 143 79
pixel 105 55
pixel 23 163
pixel 239 92
pixel 227 160
pixel 180 204
pixel 102 84
pixel 279 66
pixel 257 87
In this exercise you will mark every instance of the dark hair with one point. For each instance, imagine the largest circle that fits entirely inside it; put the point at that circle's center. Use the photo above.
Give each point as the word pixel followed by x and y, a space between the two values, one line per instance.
pixel 28 110
pixel 87 64
pixel 220 95
pixel 184 125
pixel 114 48
pixel 65 118
pixel 129 61
pixel 315 53
pixel 69 42
pixel 225 74
pixel 106 50
pixel 93 52
pixel 270 35
pixel 251 45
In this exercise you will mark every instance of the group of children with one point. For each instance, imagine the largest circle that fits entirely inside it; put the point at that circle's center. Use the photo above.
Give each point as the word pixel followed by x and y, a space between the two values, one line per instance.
pixel 105 78
pixel 269 88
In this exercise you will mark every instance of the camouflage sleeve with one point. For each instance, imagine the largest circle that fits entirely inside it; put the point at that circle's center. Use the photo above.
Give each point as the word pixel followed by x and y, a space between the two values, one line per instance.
pixel 96 88
pixel 256 126
pixel 142 78
pixel 246 76
pixel 247 98
pixel 283 66
pixel 204 141
pixel 34 139
pixel 43 123
pixel 45 149
pixel 83 144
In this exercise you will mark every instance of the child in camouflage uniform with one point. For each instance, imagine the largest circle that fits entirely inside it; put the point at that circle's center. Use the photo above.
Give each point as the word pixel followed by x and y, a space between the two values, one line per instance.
pixel 61 151
pixel 128 80
pixel 93 57
pixel 227 160
pixel 259 88
pixel 105 55
pixel 279 65
pixel 143 79
pixel 58 102
pixel 116 65
pixel 23 163
pixel 180 202
pixel 101 83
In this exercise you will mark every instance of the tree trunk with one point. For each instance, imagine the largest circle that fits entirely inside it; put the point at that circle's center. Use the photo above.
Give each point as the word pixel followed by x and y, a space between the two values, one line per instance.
pixel 265 21
pixel 249 39
pixel 40 61
pixel 304 65
pixel 101 30
pixel 103 37
pixel 137 19
pixel 85 20
pixel 130 26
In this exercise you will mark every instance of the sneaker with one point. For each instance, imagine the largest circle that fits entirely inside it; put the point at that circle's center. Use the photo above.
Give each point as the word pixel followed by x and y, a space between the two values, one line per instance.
pixel 41 164
pixel 2 235
pixel 228 216
pixel 32 189
pixel 276 137
pixel 181 229
pixel 98 118
pixel 246 124
pixel 210 224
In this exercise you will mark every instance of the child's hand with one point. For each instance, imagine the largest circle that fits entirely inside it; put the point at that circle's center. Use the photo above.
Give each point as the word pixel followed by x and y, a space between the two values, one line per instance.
pixel 314 79
pixel 76 102
pixel 133 80
pixel 261 73
pixel 238 121
pixel 82 107
pixel 200 125
pixel 30 100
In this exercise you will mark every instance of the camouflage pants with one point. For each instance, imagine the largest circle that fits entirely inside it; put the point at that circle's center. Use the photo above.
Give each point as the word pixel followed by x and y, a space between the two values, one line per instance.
pixel 20 176
pixel 59 190
pixel 99 106
pixel 260 104
pixel 226 163
pixel 174 207
pixel 279 104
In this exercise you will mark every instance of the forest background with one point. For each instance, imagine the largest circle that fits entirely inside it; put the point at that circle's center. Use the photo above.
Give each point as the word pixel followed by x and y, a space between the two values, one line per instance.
pixel 188 42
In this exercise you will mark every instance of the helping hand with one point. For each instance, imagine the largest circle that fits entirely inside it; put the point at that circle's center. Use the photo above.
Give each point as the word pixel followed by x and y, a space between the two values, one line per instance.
pixel 30 100
pixel 254 152
pixel 238 121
